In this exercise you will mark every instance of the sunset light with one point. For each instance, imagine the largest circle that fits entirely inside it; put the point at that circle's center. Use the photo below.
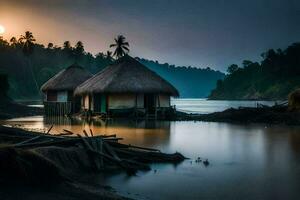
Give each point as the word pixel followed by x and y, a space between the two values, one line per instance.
pixel 2 29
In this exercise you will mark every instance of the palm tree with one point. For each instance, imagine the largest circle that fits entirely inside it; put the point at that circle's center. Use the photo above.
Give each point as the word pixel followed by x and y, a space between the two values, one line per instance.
pixel 50 45
pixel 13 42
pixel 108 56
pixel 122 47
pixel 68 49
pixel 27 42
pixel 67 45
pixel 78 50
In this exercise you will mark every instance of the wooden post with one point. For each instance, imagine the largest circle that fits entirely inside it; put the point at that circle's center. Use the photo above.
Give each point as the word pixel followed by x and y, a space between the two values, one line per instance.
pixel 135 109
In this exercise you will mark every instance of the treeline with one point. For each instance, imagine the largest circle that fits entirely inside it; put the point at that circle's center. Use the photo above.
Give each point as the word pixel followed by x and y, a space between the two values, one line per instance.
pixel 273 78
pixel 28 65
pixel 28 71
pixel 191 82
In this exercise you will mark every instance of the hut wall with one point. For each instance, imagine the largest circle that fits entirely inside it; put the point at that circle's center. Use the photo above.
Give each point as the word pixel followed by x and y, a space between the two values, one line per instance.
pixel 140 101
pixel 164 101
pixel 92 100
pixel 120 101
pixel 86 102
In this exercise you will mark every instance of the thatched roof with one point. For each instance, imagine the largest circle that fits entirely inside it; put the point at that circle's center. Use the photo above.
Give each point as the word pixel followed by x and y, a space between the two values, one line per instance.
pixel 67 79
pixel 126 75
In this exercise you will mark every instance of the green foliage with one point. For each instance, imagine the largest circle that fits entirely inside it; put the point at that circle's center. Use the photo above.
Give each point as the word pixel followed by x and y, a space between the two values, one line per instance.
pixel 274 78
pixel 232 68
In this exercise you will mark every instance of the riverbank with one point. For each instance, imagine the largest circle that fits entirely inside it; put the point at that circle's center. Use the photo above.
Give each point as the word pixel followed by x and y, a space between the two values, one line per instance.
pixel 264 114
pixel 10 109
pixel 258 113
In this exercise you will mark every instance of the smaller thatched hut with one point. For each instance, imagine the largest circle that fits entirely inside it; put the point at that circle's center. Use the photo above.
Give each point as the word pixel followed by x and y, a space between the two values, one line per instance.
pixel 58 90
pixel 127 86
pixel 294 100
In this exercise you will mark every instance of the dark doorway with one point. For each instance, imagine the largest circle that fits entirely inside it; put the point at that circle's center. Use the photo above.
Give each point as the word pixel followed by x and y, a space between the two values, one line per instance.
pixel 76 104
pixel 100 103
pixel 149 102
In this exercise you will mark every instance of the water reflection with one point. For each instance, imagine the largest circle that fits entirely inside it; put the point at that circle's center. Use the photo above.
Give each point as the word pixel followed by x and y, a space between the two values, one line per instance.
pixel 138 132
pixel 247 161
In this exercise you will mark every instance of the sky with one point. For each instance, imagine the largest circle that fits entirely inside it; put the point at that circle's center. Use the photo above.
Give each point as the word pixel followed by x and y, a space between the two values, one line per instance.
pixel 199 33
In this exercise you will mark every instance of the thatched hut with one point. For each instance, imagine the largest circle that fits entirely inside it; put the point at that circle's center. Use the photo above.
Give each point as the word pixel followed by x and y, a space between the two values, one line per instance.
pixel 58 90
pixel 294 100
pixel 126 86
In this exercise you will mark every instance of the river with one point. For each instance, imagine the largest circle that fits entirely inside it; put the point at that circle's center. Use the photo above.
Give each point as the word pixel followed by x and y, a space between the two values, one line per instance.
pixel 247 161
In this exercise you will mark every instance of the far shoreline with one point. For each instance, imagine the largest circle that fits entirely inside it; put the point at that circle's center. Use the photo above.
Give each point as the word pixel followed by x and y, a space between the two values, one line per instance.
pixel 277 114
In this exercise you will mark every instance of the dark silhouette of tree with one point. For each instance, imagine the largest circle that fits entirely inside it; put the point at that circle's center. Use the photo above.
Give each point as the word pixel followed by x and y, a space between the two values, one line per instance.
pixel 78 50
pixel 3 42
pixel 232 68
pixel 247 63
pixel 108 56
pixel 13 42
pixel 67 48
pixel 50 45
pixel 27 42
pixel 67 45
pixel 100 55
pixel 121 46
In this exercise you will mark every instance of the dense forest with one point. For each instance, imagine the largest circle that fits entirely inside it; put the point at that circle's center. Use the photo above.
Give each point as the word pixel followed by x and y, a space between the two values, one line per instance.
pixel 273 78
pixel 28 65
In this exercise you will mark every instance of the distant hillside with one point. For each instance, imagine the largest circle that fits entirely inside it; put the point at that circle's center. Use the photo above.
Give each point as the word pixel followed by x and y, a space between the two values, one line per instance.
pixel 274 78
pixel 190 81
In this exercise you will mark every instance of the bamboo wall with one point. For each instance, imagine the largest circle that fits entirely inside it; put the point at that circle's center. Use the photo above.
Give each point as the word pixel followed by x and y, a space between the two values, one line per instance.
pixel 57 108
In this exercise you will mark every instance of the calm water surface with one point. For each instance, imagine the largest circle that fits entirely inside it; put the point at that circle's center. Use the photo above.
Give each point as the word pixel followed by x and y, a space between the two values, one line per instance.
pixel 248 161
pixel 204 106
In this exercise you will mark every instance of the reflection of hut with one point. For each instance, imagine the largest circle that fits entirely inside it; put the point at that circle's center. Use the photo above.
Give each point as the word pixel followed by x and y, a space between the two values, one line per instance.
pixel 59 90
pixel 125 87
pixel 294 100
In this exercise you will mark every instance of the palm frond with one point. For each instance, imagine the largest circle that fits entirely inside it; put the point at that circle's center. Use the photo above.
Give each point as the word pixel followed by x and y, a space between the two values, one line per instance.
pixel 126 48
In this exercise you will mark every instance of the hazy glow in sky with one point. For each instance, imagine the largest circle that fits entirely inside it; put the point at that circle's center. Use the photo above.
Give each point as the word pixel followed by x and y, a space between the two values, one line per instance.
pixel 2 29
pixel 200 33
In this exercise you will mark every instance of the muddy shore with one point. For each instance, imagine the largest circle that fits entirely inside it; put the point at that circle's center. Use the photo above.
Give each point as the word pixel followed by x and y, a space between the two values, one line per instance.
pixel 266 115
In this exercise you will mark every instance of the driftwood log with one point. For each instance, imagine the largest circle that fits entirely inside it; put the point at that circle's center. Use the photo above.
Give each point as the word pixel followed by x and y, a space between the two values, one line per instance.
pixel 104 151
